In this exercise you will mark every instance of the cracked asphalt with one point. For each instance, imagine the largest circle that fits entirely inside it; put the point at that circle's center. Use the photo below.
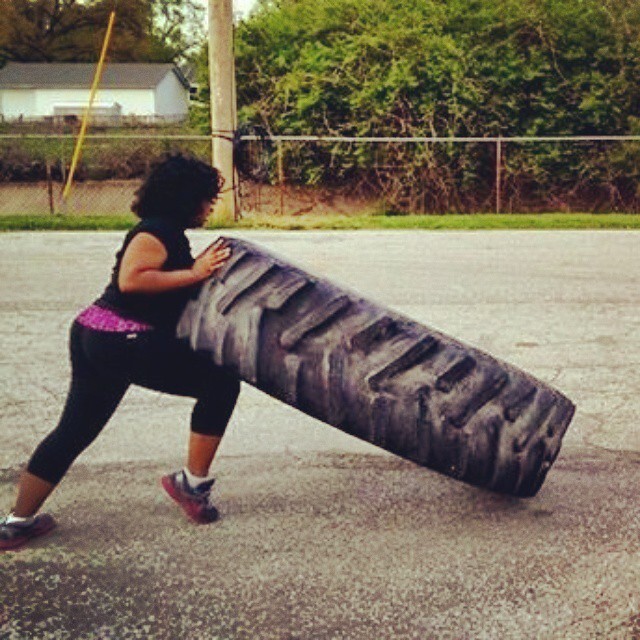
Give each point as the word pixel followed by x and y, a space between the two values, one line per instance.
pixel 323 536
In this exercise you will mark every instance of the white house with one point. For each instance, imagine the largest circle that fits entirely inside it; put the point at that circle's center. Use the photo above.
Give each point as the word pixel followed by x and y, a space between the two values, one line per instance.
pixel 39 90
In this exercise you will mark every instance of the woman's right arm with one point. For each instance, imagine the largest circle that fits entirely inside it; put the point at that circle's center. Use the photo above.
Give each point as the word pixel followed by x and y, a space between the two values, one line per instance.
pixel 142 262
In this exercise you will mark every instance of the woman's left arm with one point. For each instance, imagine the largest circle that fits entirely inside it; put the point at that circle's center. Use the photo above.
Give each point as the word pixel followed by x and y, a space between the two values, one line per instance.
pixel 141 266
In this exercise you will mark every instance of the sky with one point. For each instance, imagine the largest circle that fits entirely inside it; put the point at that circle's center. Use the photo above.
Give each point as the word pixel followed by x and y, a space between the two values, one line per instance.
pixel 243 6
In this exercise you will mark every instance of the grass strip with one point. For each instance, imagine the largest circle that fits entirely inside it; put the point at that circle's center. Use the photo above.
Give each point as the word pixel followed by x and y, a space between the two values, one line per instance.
pixel 342 222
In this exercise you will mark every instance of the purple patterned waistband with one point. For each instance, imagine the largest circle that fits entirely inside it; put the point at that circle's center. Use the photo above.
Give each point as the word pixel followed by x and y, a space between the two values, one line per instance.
pixel 100 319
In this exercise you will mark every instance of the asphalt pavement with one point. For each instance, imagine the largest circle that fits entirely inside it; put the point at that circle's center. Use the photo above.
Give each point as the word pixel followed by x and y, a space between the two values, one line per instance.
pixel 324 536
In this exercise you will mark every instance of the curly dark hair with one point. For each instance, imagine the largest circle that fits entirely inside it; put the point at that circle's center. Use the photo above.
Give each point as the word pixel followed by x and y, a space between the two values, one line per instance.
pixel 175 188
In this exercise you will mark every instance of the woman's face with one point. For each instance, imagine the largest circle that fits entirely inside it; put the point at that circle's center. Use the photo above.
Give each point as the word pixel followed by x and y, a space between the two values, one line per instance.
pixel 206 207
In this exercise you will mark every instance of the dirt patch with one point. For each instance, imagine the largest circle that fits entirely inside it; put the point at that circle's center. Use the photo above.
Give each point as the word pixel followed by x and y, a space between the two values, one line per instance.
pixel 115 197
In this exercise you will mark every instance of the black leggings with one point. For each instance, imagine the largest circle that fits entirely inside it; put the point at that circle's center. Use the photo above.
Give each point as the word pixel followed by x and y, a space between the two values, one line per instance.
pixel 104 365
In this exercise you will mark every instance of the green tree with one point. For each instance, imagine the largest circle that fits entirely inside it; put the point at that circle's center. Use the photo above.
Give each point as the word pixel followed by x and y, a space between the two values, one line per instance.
pixel 447 68
pixel 72 31
pixel 179 26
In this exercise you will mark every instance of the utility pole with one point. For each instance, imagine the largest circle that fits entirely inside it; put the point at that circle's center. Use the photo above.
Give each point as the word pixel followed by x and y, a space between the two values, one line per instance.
pixel 222 80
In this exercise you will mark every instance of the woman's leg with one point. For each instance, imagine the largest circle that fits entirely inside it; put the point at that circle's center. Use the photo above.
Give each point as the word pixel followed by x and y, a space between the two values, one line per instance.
pixel 209 420
pixel 202 451
pixel 210 417
pixel 170 366
pixel 32 492
pixel 91 401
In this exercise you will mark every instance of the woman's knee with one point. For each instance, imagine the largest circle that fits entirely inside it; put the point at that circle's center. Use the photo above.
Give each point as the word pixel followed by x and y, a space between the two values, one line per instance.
pixel 212 411
pixel 232 387
pixel 222 391
pixel 207 419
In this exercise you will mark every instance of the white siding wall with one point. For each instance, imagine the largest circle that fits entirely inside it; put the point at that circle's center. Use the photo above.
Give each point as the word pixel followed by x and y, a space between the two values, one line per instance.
pixel 172 99
pixel 137 102
pixel 17 102
pixel 40 102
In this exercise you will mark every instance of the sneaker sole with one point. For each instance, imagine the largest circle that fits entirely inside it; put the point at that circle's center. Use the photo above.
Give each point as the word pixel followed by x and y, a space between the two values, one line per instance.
pixel 43 530
pixel 192 510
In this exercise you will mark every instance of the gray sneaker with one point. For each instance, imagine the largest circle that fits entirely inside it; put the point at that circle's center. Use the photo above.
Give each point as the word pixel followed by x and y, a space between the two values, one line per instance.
pixel 16 534
pixel 195 502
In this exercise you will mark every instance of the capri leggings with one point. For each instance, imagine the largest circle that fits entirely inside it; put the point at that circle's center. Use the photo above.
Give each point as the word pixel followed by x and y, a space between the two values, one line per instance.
pixel 103 366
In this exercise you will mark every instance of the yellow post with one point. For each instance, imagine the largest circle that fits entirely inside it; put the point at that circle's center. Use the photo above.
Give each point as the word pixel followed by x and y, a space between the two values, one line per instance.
pixel 85 119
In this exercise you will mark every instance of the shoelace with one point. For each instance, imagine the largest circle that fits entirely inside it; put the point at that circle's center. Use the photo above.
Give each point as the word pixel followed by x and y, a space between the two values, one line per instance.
pixel 207 500
pixel 202 492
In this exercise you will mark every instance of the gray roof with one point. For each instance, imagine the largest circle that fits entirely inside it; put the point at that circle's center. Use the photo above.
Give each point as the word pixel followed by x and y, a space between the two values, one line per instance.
pixel 79 75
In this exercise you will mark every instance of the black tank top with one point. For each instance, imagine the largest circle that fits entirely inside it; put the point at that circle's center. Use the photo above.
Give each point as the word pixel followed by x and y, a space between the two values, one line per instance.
pixel 161 310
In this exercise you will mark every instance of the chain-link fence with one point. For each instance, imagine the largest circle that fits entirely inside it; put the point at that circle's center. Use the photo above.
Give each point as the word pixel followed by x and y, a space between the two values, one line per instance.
pixel 320 175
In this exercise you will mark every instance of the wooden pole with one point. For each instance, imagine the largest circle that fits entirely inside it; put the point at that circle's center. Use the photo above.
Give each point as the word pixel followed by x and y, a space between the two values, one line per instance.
pixel 221 77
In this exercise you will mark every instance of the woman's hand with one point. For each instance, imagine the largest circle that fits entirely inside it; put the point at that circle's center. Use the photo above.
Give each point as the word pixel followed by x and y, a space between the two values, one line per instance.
pixel 212 258
pixel 141 270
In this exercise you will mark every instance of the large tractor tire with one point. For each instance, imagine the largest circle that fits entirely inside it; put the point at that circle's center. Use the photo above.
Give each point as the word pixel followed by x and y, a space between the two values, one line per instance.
pixel 377 374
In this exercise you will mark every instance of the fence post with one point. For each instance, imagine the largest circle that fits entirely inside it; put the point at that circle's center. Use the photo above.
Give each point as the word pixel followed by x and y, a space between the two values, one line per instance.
pixel 281 175
pixel 498 175
pixel 52 208
pixel 63 162
pixel 253 156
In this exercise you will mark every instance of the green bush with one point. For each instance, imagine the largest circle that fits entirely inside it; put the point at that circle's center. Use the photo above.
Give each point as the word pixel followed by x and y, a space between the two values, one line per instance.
pixel 450 68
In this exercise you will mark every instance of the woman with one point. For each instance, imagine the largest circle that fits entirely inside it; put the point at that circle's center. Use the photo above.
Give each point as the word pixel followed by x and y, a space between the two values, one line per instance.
pixel 128 337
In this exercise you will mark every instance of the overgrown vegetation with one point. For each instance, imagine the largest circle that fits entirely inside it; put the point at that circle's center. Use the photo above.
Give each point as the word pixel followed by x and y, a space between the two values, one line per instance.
pixel 451 68
pixel 25 159
pixel 384 68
